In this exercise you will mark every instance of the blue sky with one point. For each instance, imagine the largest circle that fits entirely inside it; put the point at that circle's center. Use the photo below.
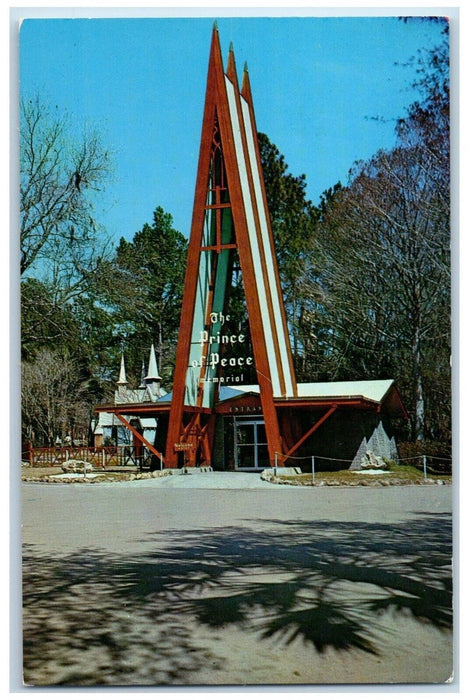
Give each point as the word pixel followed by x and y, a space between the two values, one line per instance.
pixel 318 84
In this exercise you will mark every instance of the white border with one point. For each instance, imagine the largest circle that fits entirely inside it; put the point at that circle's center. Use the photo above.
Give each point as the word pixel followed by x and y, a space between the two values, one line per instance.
pixel 9 290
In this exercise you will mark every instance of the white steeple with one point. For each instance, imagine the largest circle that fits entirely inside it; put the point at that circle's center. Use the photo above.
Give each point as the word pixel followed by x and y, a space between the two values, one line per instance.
pixel 120 395
pixel 122 378
pixel 153 379
pixel 152 367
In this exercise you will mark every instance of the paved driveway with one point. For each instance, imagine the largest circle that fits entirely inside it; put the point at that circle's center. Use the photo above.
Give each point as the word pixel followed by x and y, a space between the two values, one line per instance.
pixel 240 583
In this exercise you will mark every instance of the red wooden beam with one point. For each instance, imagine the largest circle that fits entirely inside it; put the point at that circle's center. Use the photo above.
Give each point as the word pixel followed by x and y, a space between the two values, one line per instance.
pixel 139 436
pixel 227 405
pixel 134 408
pixel 312 429
pixel 255 312
pixel 175 427
pixel 244 245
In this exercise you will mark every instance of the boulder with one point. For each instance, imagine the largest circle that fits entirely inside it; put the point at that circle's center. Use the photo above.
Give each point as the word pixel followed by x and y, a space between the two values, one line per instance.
pixel 77 466
pixel 372 461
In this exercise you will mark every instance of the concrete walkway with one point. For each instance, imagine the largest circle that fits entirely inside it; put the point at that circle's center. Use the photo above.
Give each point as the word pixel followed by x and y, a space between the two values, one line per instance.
pixel 207 480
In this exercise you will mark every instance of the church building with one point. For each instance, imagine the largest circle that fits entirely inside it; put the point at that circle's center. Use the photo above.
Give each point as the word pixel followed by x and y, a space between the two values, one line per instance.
pixel 109 430
pixel 235 402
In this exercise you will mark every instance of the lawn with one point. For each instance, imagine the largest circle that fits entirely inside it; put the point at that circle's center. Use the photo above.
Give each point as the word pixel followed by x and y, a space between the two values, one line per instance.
pixel 396 475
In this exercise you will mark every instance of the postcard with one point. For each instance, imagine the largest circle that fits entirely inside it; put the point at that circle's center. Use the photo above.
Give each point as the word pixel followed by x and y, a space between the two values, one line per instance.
pixel 235 243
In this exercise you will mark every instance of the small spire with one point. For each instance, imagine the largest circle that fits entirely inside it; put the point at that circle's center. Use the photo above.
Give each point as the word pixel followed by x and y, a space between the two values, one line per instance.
pixel 215 51
pixel 246 86
pixel 122 378
pixel 152 366
pixel 231 66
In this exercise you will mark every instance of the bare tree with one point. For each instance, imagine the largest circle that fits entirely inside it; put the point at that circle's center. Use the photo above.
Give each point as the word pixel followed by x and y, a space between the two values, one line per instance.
pixel 380 272
pixel 383 251
pixel 53 398
pixel 59 180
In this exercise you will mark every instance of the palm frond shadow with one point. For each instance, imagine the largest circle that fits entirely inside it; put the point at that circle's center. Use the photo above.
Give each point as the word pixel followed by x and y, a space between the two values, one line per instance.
pixel 324 583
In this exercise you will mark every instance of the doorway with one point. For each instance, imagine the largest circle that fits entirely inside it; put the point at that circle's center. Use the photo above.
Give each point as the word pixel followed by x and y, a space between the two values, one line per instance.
pixel 250 443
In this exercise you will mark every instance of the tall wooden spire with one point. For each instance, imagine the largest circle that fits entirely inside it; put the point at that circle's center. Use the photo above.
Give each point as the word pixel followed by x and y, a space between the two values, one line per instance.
pixel 230 215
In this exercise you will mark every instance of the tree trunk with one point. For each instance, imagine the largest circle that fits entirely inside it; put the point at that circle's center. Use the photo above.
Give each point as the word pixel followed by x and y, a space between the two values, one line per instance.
pixel 419 406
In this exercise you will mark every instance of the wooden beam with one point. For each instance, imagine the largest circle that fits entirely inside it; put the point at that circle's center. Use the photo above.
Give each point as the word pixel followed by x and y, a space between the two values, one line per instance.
pixel 175 427
pixel 135 432
pixel 254 308
pixel 312 430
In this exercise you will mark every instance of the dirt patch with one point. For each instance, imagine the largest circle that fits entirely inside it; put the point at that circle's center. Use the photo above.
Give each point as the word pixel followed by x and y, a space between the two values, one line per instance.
pixel 34 473
pixel 56 475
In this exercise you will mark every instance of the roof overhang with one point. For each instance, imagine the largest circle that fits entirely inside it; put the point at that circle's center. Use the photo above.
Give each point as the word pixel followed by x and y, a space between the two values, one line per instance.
pixel 249 398
pixel 135 409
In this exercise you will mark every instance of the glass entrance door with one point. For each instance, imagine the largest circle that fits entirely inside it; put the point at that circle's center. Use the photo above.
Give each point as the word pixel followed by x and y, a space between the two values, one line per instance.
pixel 250 445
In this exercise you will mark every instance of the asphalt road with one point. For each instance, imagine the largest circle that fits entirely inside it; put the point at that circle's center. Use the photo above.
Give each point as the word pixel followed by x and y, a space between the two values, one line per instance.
pixel 221 579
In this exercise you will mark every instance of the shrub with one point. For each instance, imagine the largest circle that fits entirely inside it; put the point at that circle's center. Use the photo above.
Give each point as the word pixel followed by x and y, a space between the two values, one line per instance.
pixel 438 454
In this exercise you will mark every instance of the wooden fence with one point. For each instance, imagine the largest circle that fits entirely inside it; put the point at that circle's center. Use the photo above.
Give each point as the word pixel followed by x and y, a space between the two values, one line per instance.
pixel 99 457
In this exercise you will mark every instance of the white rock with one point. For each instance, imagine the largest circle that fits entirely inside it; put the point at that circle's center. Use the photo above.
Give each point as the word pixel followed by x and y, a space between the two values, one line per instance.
pixel 76 465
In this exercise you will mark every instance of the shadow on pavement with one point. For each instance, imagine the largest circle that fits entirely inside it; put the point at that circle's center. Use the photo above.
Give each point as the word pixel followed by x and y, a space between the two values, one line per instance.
pixel 98 619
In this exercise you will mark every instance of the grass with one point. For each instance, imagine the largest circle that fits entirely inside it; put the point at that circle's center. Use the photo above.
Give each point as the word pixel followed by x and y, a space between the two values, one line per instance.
pixel 397 474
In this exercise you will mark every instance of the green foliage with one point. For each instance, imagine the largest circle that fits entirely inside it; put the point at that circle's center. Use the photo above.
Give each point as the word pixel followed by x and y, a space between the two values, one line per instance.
pixel 142 286
pixel 438 453
pixel 293 218
pixel 80 329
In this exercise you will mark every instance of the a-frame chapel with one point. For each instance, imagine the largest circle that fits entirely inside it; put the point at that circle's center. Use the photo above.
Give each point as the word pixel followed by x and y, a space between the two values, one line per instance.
pixel 212 416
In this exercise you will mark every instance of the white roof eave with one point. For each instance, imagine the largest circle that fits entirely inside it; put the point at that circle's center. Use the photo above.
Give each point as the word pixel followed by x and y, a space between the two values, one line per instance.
pixel 374 390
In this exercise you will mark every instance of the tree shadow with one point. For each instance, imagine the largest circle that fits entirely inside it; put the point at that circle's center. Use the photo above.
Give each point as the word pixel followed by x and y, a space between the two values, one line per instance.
pixel 94 618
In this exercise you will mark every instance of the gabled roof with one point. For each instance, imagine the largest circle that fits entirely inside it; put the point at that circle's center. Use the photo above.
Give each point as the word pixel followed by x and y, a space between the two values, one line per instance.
pixel 373 390
pixel 231 392
pixel 140 395
pixel 107 419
